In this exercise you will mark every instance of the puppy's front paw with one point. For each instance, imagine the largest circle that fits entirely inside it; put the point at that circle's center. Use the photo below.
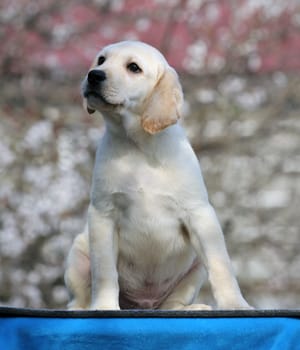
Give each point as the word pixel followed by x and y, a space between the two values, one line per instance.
pixel 235 305
pixel 104 306
pixel 197 307
pixel 180 306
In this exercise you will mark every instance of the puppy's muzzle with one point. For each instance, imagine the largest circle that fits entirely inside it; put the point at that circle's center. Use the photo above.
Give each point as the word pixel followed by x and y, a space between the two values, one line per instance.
pixel 93 89
pixel 95 77
pixel 92 84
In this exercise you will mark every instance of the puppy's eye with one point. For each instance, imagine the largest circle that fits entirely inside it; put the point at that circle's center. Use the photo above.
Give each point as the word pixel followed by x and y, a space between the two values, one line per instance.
pixel 134 68
pixel 101 60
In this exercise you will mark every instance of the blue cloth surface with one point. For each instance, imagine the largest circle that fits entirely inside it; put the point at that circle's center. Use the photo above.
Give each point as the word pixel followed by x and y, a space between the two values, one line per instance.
pixel 40 332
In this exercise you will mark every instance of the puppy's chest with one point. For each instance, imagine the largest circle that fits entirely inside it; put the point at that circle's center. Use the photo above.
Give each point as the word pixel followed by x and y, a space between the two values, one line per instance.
pixel 141 195
pixel 133 182
pixel 144 196
pixel 144 208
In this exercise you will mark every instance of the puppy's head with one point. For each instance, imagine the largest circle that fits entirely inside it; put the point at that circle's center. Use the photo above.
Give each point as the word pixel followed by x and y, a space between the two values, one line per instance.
pixel 133 77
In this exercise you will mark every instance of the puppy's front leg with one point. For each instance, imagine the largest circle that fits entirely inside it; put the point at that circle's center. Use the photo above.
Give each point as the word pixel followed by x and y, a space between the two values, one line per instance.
pixel 103 254
pixel 208 240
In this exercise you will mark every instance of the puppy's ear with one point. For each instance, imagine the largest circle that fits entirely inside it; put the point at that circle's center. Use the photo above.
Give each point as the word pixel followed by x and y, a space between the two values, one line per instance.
pixel 163 107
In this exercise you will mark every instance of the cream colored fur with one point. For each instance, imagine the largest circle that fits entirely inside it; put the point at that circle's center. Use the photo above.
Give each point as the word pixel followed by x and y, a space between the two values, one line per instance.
pixel 152 237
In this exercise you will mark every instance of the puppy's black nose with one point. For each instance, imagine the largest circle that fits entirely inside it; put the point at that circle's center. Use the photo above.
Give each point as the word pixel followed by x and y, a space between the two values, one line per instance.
pixel 96 76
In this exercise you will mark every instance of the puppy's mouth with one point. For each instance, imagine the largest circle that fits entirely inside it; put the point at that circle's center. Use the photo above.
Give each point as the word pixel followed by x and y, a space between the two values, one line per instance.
pixel 96 101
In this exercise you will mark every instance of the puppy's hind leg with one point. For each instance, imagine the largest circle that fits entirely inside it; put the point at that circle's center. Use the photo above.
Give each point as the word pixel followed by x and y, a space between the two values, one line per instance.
pixel 186 292
pixel 78 273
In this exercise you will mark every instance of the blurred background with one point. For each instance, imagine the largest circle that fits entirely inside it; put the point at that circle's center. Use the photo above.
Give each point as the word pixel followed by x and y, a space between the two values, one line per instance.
pixel 239 63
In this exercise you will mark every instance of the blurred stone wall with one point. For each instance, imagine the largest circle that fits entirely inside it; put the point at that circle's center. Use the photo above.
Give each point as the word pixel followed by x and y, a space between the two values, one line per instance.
pixel 245 130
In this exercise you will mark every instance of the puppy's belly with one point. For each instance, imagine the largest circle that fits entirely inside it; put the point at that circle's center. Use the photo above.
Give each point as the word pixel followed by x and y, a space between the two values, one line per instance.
pixel 154 250
pixel 150 293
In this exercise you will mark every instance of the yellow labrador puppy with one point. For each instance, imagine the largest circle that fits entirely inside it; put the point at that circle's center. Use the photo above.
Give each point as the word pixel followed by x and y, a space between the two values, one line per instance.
pixel 152 236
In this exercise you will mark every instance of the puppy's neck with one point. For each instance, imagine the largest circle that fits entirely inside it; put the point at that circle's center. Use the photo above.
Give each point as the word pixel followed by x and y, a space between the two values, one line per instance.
pixel 124 124
pixel 128 127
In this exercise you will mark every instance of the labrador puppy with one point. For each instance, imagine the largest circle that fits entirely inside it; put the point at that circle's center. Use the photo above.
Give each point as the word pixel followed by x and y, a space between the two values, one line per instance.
pixel 152 237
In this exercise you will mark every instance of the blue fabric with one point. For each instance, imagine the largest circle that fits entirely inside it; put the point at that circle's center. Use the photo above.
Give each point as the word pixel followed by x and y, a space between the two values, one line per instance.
pixel 149 333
